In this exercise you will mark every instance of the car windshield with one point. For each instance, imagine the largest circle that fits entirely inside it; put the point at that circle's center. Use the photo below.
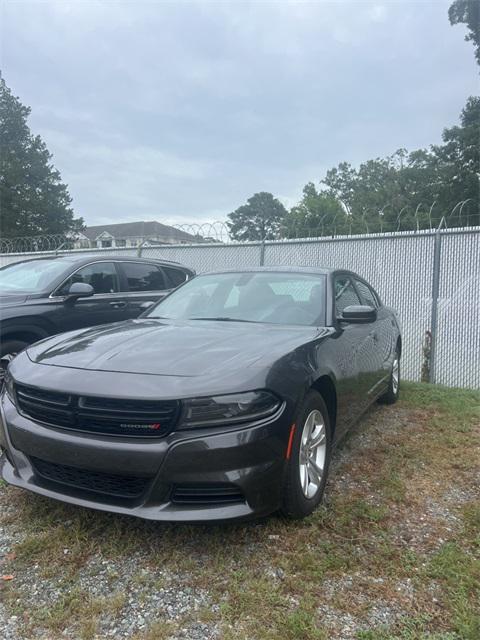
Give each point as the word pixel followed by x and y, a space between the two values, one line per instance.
pixel 29 277
pixel 279 298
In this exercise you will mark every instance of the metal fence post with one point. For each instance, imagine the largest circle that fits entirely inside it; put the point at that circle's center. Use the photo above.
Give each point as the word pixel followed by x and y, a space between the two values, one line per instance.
pixel 435 289
pixel 139 250
pixel 262 253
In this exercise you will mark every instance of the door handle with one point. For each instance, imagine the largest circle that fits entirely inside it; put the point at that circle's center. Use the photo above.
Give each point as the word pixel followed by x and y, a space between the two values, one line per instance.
pixel 118 305
pixel 146 305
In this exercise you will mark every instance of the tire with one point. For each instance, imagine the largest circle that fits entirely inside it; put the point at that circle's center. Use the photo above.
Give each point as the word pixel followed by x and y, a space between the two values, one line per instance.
pixel 299 498
pixel 393 391
pixel 12 347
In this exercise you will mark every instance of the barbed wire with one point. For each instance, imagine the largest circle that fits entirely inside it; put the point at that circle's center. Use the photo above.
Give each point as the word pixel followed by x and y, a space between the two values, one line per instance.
pixel 409 218
pixel 217 231
pixel 45 242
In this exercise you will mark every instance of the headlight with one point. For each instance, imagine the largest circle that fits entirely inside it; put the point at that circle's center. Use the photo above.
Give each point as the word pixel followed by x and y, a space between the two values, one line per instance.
pixel 226 410
pixel 8 383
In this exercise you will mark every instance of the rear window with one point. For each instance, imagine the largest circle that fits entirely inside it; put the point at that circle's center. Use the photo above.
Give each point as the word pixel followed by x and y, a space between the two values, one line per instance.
pixel 143 277
pixel 175 276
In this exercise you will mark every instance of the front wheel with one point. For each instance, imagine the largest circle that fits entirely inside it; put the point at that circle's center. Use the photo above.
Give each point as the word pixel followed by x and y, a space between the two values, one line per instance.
pixel 11 347
pixel 8 350
pixel 309 458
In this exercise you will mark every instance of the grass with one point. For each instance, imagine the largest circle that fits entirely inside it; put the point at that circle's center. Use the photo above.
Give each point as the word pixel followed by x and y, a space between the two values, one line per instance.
pixel 412 629
pixel 400 526
pixel 458 570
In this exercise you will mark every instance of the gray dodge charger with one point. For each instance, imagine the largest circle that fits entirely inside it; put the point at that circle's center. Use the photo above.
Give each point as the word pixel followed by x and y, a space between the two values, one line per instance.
pixel 223 401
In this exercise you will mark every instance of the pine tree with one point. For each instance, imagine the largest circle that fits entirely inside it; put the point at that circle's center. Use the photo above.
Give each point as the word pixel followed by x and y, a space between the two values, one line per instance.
pixel 33 199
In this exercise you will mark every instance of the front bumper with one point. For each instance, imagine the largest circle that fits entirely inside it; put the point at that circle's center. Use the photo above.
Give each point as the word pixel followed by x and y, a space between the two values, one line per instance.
pixel 248 462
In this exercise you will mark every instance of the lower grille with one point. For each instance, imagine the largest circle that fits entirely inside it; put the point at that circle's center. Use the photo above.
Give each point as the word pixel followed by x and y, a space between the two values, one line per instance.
pixel 206 494
pixel 108 484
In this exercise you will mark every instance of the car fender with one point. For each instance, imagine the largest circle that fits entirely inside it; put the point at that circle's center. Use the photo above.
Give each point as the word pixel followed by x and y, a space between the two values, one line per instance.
pixel 37 328
pixel 311 380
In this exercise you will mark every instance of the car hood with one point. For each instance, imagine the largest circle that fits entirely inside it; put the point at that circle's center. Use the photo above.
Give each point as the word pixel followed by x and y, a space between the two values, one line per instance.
pixel 7 299
pixel 174 348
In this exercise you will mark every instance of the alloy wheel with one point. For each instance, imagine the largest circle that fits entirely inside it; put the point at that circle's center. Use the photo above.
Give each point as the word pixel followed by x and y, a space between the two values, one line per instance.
pixel 395 375
pixel 312 455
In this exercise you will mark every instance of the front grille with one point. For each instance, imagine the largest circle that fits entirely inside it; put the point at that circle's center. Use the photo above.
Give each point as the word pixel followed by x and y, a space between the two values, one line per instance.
pixel 206 494
pixel 105 483
pixel 110 416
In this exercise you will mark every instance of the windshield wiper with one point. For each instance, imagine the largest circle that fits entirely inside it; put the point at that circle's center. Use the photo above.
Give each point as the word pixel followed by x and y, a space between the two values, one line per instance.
pixel 224 319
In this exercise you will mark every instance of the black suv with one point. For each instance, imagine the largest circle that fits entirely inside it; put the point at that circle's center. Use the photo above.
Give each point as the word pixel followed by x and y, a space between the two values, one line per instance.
pixel 44 296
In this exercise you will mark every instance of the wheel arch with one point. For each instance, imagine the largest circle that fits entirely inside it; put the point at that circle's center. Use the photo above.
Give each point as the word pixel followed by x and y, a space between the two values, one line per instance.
pixel 325 386
pixel 24 331
pixel 399 346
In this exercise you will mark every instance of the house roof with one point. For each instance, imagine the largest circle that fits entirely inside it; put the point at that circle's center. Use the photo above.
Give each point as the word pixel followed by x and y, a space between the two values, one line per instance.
pixel 139 230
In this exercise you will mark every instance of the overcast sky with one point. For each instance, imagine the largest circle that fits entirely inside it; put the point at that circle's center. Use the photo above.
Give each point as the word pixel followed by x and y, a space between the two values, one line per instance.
pixel 180 111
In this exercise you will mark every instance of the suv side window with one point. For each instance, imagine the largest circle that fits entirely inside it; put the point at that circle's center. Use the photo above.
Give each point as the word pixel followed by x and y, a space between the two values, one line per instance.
pixel 176 276
pixel 367 294
pixel 345 294
pixel 102 276
pixel 143 277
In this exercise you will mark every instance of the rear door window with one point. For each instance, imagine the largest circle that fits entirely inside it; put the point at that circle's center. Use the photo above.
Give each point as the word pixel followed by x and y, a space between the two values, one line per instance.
pixel 141 276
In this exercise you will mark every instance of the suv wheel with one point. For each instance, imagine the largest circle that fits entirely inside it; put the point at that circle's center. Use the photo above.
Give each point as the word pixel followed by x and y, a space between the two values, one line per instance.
pixel 11 347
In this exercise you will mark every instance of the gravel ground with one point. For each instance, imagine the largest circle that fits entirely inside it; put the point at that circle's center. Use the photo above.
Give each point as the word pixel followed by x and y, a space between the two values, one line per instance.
pixel 140 593
pixel 132 594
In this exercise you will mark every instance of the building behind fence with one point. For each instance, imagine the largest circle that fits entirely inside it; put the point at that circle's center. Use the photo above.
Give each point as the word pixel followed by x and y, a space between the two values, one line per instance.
pixel 431 277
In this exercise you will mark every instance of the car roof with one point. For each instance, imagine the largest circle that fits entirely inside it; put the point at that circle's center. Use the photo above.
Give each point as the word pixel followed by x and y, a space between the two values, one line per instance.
pixel 288 269
pixel 89 258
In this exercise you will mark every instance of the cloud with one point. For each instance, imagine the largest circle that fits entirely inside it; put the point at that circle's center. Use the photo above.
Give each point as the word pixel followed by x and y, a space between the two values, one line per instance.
pixel 184 110
pixel 134 179
pixel 378 13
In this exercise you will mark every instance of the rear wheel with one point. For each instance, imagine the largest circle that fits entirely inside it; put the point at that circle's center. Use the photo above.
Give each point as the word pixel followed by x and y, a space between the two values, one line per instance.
pixel 309 458
pixel 393 390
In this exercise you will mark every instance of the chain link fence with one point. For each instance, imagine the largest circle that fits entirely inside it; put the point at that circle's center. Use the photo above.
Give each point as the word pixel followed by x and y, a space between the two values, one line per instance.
pixel 432 278
pixel 310 224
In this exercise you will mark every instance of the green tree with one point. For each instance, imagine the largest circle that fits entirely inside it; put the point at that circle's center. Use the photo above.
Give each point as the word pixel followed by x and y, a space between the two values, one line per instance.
pixel 460 156
pixel 33 199
pixel 259 219
pixel 408 190
pixel 467 12
pixel 384 194
pixel 317 214
pixel 405 190
pixel 458 166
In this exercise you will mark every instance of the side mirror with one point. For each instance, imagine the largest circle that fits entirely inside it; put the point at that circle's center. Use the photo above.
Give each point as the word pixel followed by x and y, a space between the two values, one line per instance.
pixel 146 305
pixel 358 314
pixel 80 290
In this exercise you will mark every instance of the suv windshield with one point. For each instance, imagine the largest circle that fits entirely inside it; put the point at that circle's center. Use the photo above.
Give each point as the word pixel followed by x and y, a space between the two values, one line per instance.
pixel 279 298
pixel 30 277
